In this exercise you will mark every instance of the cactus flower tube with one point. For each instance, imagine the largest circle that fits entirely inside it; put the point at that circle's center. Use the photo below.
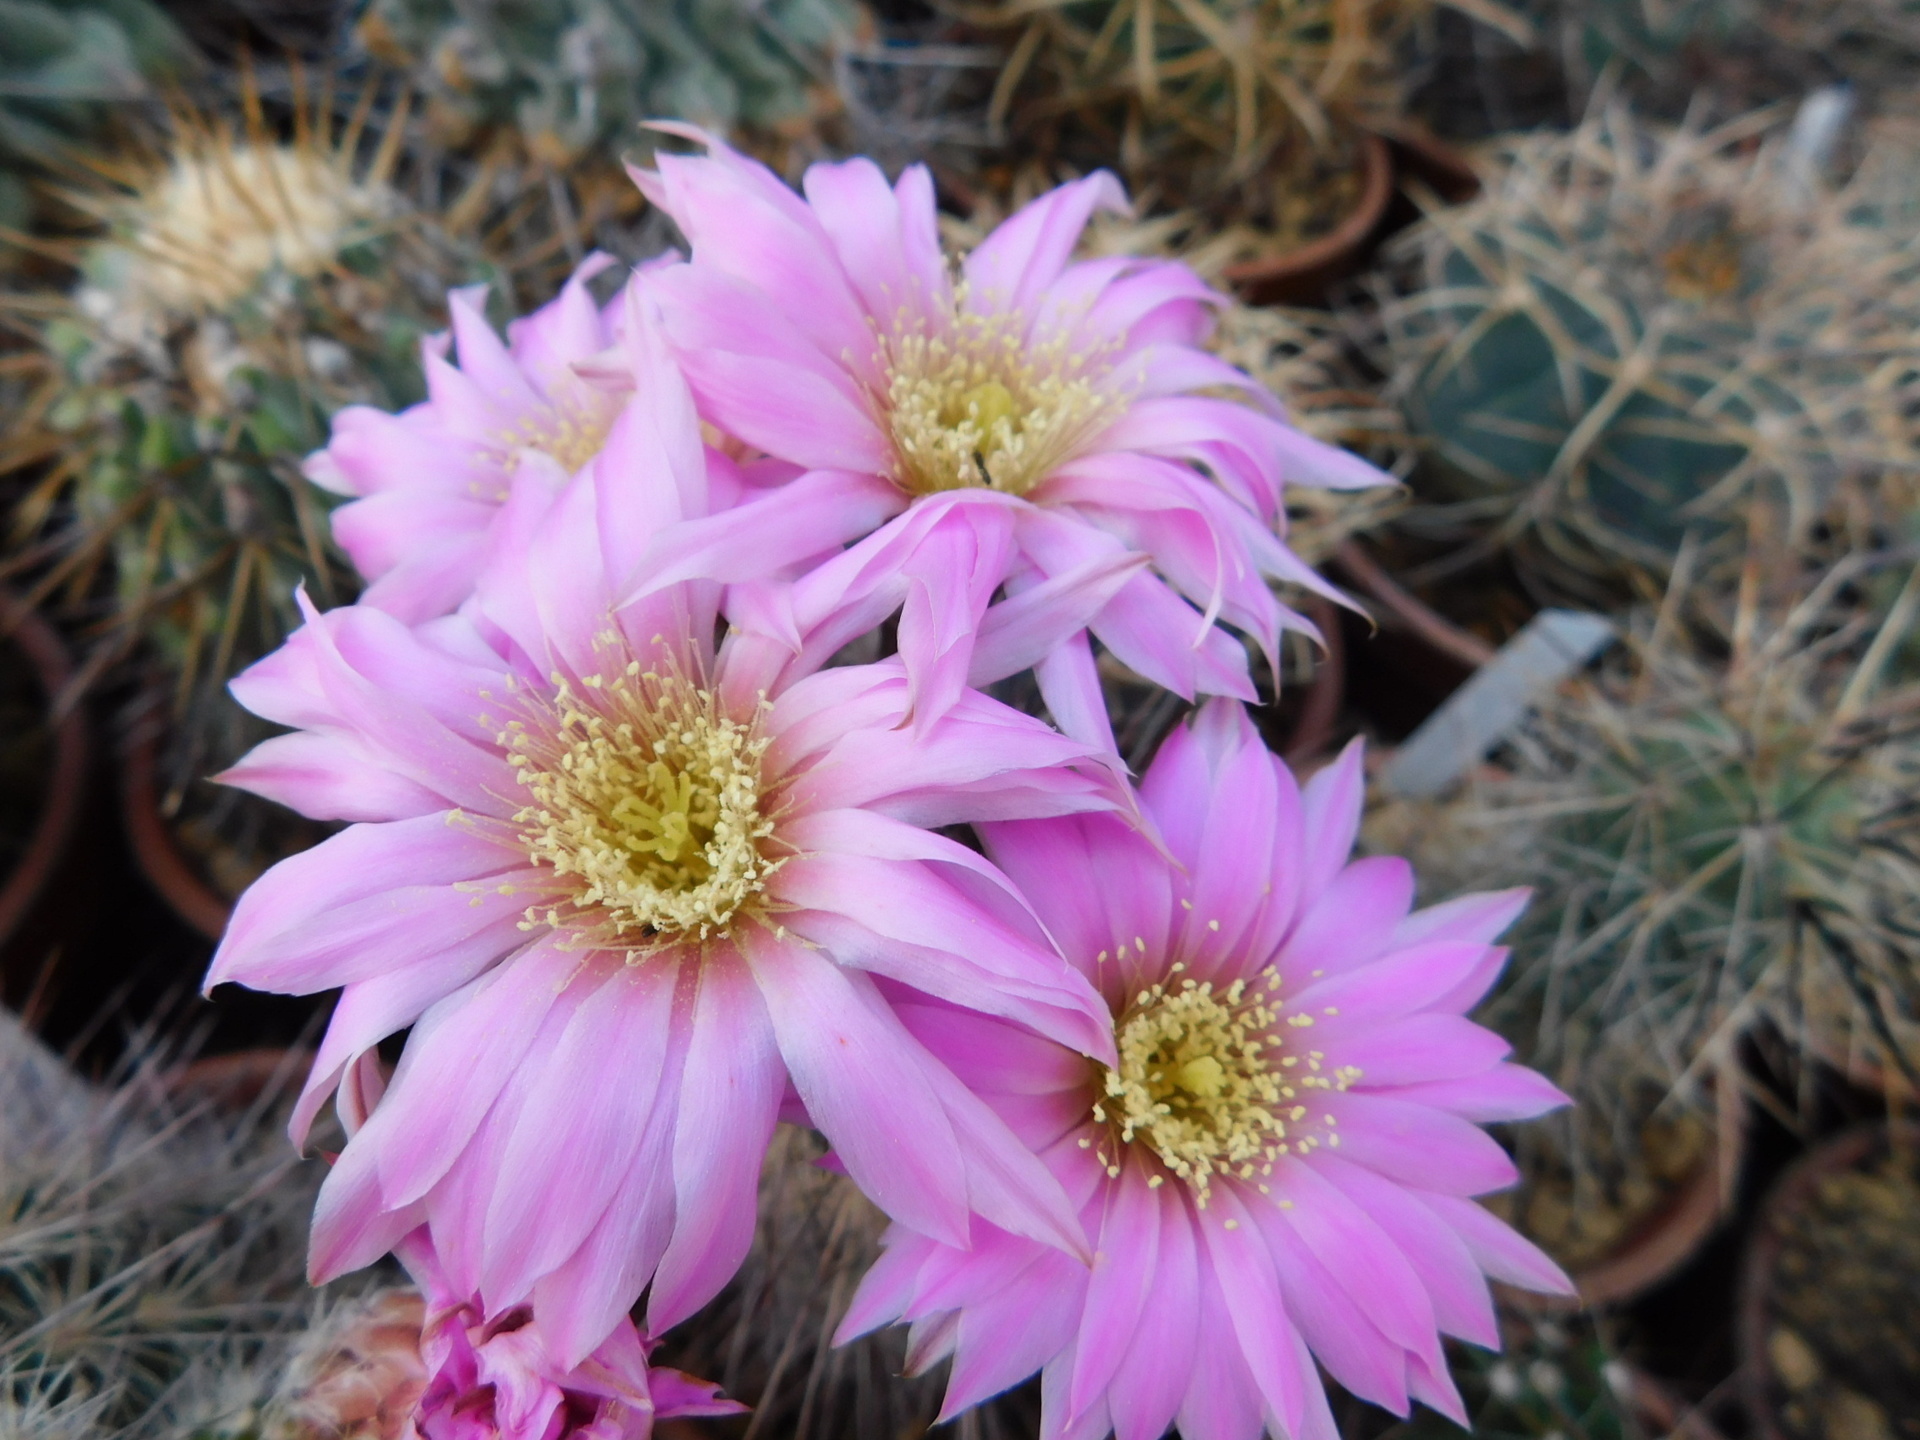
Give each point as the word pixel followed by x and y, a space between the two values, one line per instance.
pixel 1278 1169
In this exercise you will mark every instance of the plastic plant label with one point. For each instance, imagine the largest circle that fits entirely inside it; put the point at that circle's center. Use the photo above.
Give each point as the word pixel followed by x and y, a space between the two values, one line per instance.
pixel 1485 710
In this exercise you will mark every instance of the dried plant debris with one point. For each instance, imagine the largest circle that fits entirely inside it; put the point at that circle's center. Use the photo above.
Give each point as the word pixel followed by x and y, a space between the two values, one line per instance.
pixel 1248 110
pixel 152 1247
pixel 1636 330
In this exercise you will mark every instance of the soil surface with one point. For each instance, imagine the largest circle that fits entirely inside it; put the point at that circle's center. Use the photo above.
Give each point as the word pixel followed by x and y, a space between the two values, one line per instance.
pixel 1841 1336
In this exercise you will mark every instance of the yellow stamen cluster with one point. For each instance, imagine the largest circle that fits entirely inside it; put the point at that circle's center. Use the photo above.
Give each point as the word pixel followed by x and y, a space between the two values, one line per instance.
pixel 977 405
pixel 572 432
pixel 1203 1082
pixel 649 801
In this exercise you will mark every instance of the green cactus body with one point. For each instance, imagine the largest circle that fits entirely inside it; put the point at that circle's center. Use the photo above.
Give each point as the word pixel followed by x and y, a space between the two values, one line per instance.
pixel 243 292
pixel 1633 331
pixel 1720 836
pixel 63 70
pixel 577 78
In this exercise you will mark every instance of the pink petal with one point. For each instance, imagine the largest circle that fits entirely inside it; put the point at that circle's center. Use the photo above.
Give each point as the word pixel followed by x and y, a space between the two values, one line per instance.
pixel 1339 1332
pixel 586 1096
pixel 1419 1048
pixel 1025 254
pixel 1350 921
pixel 1124 1259
pixel 1418 1146
pixel 1462 1305
pixel 328 777
pixel 457 1060
pixel 884 237
pixel 744 223
pixel 1483 916
pixel 1156 634
pixel 1221 1402
pixel 1241 1264
pixel 863 1081
pixel 761 378
pixel 1098 886
pixel 1496 1247
pixel 729 1097
pixel 1330 804
pixel 1146 1393
pixel 334 914
pixel 1505 1092
pixel 1359 1255
pixel 820 511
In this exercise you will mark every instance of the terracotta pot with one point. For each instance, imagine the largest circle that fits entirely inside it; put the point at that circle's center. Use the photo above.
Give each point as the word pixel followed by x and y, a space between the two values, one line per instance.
pixel 1301 275
pixel 155 849
pixel 60 809
pixel 1760 1383
pixel 1671 1234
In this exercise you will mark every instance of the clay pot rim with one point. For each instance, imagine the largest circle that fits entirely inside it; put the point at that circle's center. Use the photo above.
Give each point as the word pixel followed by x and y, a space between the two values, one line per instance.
pixel 59 817
pixel 1670 1234
pixel 155 850
pixel 1339 243
pixel 1843 1151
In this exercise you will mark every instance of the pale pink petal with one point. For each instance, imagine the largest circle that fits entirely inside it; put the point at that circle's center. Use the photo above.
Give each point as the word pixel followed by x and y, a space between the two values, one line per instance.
pixel 1126 1251
pixel 328 777
pixel 1025 254
pixel 1146 1392
pixel 1454 1283
pixel 1418 1146
pixel 730 1093
pixel 586 1098
pixel 1496 1247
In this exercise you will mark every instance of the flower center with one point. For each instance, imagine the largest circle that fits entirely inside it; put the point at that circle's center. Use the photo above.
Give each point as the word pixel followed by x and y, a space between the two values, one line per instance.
pixel 1204 1084
pixel 571 432
pixel 978 405
pixel 648 800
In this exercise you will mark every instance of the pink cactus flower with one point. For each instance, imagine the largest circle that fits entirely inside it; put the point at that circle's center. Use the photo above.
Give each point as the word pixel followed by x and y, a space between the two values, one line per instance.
pixel 1279 1169
pixel 466 1375
pixel 432 479
pixel 624 889
pixel 1059 413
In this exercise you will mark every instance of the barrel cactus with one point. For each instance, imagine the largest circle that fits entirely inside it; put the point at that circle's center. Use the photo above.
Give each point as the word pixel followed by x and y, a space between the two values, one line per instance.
pixel 65 70
pixel 244 286
pixel 1635 330
pixel 1720 835
pixel 577 78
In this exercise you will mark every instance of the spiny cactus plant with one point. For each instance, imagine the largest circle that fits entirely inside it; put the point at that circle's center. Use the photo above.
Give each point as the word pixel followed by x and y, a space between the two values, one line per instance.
pixel 152 1247
pixel 577 78
pixel 1635 330
pixel 1720 831
pixel 251 279
pixel 64 70
pixel 1244 107
pixel 1250 111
